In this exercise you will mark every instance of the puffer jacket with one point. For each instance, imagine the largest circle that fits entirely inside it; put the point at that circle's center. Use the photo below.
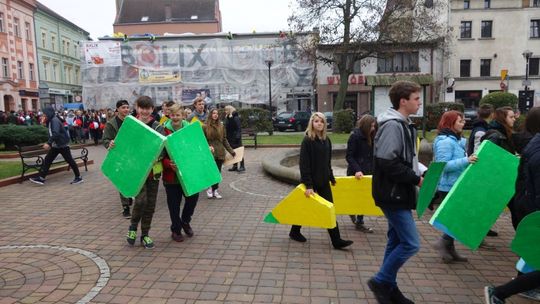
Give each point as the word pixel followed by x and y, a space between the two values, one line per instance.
pixel 450 149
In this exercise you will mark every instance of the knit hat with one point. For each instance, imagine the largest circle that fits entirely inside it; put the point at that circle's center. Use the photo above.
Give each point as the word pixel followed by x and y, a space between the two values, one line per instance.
pixel 121 103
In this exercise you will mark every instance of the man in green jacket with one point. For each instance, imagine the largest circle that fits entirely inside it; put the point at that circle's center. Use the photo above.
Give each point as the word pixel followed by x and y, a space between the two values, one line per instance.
pixel 109 134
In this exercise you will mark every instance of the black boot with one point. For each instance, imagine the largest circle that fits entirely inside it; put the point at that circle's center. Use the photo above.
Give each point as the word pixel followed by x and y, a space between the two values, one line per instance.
pixel 442 248
pixel 241 169
pixel 335 237
pixel 234 168
pixel 296 235
pixel 455 255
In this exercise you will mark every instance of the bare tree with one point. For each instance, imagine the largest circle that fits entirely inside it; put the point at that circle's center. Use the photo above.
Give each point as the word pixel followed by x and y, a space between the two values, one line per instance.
pixel 359 29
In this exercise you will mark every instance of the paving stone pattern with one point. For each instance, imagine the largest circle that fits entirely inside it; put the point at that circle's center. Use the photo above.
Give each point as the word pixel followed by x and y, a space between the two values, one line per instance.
pixel 234 256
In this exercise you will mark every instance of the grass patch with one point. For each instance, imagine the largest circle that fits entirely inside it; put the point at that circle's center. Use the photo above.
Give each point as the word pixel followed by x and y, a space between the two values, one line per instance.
pixel 430 136
pixel 296 139
pixel 11 168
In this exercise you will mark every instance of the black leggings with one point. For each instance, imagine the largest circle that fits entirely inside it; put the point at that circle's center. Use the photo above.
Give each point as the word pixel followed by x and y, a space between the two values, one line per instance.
pixel 522 283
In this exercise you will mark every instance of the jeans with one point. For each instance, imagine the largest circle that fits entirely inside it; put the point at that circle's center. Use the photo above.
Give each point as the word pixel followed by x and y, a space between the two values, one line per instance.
pixel 403 243
pixel 219 164
pixel 174 198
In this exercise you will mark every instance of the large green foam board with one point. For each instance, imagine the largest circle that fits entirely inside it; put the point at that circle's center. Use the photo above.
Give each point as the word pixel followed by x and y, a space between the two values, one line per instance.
pixel 479 196
pixel 136 148
pixel 429 186
pixel 197 169
pixel 527 238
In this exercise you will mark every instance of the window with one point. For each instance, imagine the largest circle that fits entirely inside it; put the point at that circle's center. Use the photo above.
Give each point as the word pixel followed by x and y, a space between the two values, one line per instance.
pixel 77 76
pixel 43 39
pixel 486 29
pixel 53 43
pixel 67 47
pixel 5 67
pixel 398 62
pixel 534 66
pixel 1 22
pixel 485 67
pixel 487 3
pixel 16 27
pixel 357 68
pixel 64 46
pixel 466 29
pixel 75 50
pixel 536 3
pixel 465 68
pixel 20 69
pixel 31 71
pixel 535 28
pixel 27 31
pixel 466 4
pixel 54 71
pixel 46 70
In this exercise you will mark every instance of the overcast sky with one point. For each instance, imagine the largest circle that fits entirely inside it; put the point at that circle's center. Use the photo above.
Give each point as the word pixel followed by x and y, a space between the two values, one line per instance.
pixel 239 16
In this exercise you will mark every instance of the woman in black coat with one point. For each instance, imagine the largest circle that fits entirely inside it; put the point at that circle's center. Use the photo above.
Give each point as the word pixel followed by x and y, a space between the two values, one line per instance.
pixel 360 157
pixel 234 134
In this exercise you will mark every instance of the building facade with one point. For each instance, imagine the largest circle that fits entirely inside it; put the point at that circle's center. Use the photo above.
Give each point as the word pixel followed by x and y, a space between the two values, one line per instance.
pixel 158 17
pixel 372 77
pixel 488 51
pixel 59 57
pixel 18 78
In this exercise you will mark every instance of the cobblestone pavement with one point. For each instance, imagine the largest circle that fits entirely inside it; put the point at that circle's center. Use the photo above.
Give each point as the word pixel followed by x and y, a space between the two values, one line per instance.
pixel 234 256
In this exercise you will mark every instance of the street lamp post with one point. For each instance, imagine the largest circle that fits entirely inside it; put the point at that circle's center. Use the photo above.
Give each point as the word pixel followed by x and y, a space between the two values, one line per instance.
pixel 269 63
pixel 527 54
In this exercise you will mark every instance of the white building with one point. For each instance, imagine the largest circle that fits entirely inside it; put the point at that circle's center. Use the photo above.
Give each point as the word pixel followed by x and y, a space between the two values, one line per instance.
pixel 487 38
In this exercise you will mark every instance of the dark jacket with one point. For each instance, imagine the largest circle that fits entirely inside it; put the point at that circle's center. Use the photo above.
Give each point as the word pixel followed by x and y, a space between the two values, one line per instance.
pixel 479 129
pixel 110 131
pixel 395 171
pixel 58 136
pixel 359 154
pixel 234 130
pixel 315 163
pixel 527 198
pixel 497 135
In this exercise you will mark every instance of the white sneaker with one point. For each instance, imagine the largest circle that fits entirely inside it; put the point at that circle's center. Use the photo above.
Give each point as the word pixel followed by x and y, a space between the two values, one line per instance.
pixel 217 195
pixel 209 193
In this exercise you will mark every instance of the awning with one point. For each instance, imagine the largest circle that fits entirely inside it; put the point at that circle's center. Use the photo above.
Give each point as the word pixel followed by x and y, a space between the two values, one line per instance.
pixel 388 80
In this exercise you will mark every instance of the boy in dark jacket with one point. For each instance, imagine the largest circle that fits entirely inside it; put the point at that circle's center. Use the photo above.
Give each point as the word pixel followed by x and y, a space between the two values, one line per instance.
pixel 395 177
pixel 109 134
pixel 480 127
pixel 57 144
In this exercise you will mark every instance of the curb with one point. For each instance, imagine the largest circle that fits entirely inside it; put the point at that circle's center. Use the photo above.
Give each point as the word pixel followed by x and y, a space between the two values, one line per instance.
pixel 17 179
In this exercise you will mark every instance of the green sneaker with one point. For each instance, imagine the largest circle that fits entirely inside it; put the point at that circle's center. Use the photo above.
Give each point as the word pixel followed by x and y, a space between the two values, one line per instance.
pixel 131 236
pixel 147 242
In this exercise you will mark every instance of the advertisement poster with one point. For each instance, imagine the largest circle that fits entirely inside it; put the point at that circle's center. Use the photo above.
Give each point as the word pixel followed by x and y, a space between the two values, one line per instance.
pixel 158 76
pixel 102 53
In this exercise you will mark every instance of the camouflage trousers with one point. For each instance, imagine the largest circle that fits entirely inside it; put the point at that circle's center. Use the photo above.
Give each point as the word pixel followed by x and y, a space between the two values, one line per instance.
pixel 124 200
pixel 144 206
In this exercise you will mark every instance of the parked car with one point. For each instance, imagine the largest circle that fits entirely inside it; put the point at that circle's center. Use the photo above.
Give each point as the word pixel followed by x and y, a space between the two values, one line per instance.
pixel 470 115
pixel 329 118
pixel 297 120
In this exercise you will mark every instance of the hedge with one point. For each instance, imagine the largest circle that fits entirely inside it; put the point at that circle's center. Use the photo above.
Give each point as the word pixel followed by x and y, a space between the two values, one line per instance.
pixel 12 135
pixel 500 99
pixel 434 112
pixel 257 119
pixel 344 121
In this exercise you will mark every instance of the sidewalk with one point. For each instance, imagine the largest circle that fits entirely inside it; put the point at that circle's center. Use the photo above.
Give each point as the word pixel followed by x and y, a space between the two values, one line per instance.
pixel 234 256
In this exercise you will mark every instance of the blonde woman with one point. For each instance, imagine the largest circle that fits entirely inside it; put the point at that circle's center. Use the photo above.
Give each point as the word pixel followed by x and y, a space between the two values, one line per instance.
pixel 316 172
pixel 233 127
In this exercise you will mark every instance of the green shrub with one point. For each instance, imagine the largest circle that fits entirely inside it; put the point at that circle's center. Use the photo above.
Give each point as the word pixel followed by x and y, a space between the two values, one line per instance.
pixel 500 99
pixel 11 135
pixel 257 119
pixel 434 112
pixel 343 121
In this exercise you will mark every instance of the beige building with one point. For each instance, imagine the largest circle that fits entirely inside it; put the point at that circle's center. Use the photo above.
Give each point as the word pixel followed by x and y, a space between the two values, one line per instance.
pixel 18 74
pixel 158 17
pixel 489 37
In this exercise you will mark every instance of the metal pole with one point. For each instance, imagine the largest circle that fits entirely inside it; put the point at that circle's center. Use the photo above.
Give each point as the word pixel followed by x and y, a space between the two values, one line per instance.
pixel 270 86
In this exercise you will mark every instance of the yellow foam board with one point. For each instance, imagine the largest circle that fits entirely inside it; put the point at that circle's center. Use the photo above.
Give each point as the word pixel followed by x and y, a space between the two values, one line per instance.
pixel 353 196
pixel 297 209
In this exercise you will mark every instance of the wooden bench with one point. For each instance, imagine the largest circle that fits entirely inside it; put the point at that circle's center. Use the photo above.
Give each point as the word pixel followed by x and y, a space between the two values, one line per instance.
pixel 32 157
pixel 251 135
